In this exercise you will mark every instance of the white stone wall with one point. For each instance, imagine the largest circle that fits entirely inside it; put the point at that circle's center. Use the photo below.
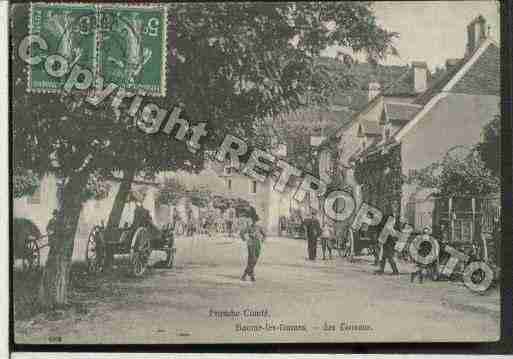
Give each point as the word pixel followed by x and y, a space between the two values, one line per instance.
pixel 93 212
pixel 457 119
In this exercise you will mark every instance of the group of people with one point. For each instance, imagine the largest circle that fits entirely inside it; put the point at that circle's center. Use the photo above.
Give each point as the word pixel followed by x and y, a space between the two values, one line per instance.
pixel 366 237
pixel 210 225
pixel 313 232
pixel 207 224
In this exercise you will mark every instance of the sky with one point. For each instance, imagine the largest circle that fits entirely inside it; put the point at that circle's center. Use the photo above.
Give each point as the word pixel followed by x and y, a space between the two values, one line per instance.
pixel 431 31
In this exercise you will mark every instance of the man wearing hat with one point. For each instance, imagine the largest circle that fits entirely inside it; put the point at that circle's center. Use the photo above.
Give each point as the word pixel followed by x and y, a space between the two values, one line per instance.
pixel 312 232
pixel 387 249
pixel 253 235
pixel 142 218
pixel 140 215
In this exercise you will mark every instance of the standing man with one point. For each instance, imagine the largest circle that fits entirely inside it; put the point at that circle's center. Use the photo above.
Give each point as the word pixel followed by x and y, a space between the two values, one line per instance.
pixel 142 218
pixel 327 237
pixel 387 251
pixel 230 215
pixel 190 224
pixel 312 231
pixel 253 235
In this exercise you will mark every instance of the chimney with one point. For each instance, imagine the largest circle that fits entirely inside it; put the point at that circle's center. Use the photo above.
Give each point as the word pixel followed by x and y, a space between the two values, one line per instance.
pixel 476 34
pixel 420 76
pixel 374 90
pixel 450 64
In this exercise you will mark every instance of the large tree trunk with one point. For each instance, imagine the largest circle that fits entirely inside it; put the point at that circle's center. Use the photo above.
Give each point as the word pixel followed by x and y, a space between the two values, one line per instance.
pixel 117 210
pixel 54 285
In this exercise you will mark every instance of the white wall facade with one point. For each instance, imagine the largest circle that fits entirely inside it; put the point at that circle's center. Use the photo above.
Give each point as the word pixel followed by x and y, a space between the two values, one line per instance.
pixel 457 119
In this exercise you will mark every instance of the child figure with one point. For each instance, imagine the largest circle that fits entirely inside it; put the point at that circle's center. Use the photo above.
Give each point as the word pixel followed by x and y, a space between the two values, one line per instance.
pixel 327 236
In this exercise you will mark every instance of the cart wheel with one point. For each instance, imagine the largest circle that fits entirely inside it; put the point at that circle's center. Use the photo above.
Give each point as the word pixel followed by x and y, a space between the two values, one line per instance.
pixel 95 253
pixel 140 251
pixel 31 256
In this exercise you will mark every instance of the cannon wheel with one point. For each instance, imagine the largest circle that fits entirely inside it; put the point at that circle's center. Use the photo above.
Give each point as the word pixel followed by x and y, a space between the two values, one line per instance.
pixel 95 251
pixel 140 251
pixel 31 256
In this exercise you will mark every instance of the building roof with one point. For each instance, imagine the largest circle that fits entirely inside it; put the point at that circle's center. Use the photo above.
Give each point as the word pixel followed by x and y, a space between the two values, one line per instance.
pixel 356 97
pixel 401 112
pixel 399 82
pixel 445 83
pixel 454 81
pixel 396 88
pixel 442 81
pixel 439 84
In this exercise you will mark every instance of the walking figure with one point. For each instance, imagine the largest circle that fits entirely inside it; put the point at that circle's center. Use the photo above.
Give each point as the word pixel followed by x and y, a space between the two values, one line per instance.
pixel 253 235
pixel 312 231
pixel 387 252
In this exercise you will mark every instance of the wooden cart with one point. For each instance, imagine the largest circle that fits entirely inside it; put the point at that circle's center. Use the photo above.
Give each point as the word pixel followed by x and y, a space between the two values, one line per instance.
pixel 130 246
pixel 27 243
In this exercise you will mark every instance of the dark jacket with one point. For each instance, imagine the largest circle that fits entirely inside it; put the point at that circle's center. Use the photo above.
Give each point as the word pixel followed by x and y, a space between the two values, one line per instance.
pixel 313 228
pixel 142 217
pixel 389 245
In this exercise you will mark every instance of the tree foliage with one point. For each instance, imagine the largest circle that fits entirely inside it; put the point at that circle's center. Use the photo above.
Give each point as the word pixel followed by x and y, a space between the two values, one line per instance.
pixel 231 65
pixel 490 148
pixel 259 59
pixel 24 181
pixel 96 188
pixel 457 175
pixel 235 63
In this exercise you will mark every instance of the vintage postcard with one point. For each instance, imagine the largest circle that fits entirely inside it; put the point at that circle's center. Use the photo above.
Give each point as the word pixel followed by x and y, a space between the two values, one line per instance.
pixel 253 172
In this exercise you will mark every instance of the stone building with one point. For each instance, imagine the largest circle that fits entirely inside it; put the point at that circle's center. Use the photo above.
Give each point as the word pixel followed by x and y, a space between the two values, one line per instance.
pixel 392 137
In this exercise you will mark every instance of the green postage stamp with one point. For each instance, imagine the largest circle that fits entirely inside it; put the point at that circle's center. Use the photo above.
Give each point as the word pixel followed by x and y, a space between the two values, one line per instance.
pixel 69 31
pixel 124 44
pixel 131 47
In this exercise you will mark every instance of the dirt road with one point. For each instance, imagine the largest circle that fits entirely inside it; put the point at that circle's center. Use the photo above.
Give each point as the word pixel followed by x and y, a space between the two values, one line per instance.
pixel 203 300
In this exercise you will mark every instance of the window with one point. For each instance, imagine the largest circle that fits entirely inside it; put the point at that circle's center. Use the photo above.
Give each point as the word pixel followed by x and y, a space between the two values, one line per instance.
pixel 35 198
pixel 229 184
pixel 253 186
